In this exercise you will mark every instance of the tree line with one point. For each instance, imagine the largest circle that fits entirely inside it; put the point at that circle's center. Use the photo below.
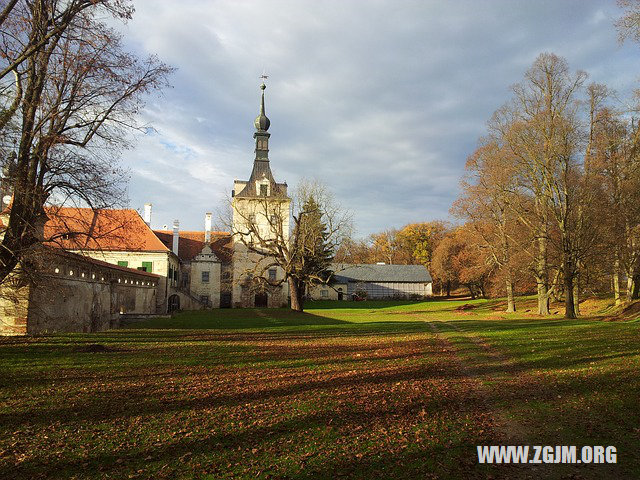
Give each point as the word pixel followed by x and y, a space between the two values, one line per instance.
pixel 550 202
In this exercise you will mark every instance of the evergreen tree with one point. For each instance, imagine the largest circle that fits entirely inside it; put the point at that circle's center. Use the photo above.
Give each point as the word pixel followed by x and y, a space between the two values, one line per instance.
pixel 313 250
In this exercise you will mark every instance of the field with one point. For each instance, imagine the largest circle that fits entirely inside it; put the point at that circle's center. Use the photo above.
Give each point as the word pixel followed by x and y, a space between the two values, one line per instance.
pixel 374 390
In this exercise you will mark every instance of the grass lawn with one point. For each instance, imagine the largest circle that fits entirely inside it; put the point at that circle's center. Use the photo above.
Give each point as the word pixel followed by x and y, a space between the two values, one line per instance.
pixel 350 390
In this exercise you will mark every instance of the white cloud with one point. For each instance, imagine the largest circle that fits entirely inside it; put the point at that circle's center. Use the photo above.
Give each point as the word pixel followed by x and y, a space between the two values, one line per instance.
pixel 381 100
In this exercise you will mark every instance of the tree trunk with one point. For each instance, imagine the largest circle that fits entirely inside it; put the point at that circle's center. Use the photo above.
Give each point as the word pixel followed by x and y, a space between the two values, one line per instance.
pixel 630 287
pixel 471 291
pixel 448 288
pixel 635 287
pixel 616 281
pixel 541 277
pixel 297 301
pixel 569 305
pixel 576 297
pixel 511 303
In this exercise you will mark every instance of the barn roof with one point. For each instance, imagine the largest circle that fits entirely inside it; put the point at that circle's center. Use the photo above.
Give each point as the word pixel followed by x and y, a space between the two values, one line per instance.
pixel 345 273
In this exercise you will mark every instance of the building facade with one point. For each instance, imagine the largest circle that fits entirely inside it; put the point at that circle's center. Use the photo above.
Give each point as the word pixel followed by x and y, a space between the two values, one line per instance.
pixel 261 213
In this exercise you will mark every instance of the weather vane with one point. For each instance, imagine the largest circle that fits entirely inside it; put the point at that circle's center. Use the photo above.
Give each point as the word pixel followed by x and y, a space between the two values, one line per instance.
pixel 264 75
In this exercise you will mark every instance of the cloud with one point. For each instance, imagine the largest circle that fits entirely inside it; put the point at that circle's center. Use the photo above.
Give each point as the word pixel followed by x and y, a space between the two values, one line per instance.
pixel 381 100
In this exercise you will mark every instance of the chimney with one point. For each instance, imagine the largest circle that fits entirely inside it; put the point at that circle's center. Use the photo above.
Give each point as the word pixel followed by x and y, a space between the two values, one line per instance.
pixel 176 236
pixel 147 214
pixel 207 228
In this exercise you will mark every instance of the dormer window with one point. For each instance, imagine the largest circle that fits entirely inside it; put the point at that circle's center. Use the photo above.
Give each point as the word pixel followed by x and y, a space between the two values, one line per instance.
pixel 264 190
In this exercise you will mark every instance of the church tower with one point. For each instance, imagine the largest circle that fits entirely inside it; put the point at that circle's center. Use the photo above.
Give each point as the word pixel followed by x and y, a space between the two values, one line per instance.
pixel 261 210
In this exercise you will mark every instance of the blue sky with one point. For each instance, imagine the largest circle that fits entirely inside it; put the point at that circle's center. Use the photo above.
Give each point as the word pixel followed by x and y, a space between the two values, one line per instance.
pixel 382 101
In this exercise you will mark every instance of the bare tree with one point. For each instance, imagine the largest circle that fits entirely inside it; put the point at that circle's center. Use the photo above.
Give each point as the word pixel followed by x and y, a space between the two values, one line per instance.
pixel 541 128
pixel 489 192
pixel 80 93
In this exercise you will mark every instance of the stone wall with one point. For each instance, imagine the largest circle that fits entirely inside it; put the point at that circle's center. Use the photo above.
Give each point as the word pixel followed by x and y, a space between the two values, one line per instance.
pixel 160 263
pixel 76 294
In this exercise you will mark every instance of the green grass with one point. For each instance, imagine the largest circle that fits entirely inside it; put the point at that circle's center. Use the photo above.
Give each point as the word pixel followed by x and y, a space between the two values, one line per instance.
pixel 345 390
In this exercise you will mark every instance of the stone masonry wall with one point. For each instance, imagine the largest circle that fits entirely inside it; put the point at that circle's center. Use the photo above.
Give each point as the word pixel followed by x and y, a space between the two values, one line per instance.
pixel 76 294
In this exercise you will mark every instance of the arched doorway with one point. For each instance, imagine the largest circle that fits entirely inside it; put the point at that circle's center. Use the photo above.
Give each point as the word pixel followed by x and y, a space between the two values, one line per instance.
pixel 261 300
pixel 174 303
pixel 225 300
pixel 340 294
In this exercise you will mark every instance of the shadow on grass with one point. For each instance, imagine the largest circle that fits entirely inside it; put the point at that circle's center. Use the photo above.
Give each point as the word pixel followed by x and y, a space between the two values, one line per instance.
pixel 237 319
pixel 344 419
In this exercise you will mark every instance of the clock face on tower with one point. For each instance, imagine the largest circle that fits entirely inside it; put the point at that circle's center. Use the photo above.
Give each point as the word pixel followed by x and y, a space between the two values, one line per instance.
pixel 6 200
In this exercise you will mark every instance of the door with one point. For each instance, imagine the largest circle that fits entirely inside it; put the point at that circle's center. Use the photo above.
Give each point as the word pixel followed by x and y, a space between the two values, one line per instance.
pixel 174 303
pixel 225 300
pixel 261 300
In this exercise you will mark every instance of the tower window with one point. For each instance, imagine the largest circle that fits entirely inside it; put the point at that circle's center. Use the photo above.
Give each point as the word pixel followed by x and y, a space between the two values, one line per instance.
pixel 264 190
pixel 205 277
pixel 272 274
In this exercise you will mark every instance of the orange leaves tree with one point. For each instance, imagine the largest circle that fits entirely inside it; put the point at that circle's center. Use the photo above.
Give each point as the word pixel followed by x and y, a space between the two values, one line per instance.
pixel 460 260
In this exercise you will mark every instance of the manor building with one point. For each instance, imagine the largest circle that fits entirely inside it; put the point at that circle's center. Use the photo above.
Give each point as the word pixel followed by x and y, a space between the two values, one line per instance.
pixel 130 268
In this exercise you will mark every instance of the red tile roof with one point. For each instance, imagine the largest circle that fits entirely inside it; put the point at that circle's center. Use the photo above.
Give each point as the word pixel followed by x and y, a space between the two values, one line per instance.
pixel 192 243
pixel 111 230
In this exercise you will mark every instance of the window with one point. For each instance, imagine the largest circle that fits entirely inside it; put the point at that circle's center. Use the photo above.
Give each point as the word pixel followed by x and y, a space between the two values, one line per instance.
pixel 123 263
pixel 205 277
pixel 324 293
pixel 272 274
pixel 252 219
pixel 264 190
pixel 274 220
pixel 204 298
pixel 147 266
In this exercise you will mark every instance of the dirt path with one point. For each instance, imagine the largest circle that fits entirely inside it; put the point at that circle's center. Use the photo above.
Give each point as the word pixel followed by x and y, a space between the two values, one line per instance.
pixel 463 344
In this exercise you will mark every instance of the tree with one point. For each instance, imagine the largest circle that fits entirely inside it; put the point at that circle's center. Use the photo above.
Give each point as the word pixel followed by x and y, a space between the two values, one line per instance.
pixel 315 253
pixel 629 24
pixel 79 94
pixel 459 260
pixel 616 169
pixel 541 127
pixel 419 240
pixel 442 266
pixel 353 251
pixel 486 202
pixel 318 228
pixel 387 247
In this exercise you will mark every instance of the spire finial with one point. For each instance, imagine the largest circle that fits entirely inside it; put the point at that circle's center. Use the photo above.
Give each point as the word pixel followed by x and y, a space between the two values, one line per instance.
pixel 262 122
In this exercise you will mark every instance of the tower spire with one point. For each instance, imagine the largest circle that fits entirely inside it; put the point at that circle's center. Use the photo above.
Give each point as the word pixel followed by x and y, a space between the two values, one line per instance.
pixel 262 122
pixel 261 183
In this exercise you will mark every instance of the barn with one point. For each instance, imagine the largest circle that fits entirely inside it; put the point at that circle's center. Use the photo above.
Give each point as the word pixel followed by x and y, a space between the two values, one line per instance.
pixel 375 281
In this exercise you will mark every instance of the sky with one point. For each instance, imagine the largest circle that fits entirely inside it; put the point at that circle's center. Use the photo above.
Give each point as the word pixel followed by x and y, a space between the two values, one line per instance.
pixel 380 101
